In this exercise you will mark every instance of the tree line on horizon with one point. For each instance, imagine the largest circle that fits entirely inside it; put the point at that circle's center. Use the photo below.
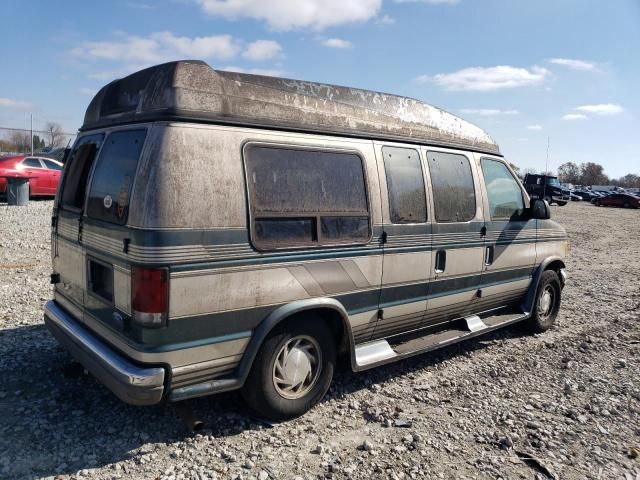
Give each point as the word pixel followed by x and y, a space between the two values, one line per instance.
pixel 19 141
pixel 588 173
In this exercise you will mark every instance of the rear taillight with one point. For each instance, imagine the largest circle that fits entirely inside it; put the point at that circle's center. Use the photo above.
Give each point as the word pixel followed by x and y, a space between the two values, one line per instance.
pixel 150 296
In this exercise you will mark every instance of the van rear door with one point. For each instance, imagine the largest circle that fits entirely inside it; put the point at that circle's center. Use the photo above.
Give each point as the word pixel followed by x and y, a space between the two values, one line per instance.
pixel 67 253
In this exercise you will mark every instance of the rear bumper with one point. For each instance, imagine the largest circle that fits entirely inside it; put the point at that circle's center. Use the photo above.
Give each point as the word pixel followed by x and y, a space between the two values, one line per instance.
pixel 131 383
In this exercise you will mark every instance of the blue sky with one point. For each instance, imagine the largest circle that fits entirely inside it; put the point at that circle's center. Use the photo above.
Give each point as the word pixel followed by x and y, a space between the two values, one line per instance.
pixel 522 70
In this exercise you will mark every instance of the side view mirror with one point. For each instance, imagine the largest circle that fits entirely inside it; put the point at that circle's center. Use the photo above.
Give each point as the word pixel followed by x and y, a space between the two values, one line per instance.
pixel 540 209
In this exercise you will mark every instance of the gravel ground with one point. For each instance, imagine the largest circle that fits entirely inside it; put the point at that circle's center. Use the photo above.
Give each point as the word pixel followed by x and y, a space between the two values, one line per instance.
pixel 564 404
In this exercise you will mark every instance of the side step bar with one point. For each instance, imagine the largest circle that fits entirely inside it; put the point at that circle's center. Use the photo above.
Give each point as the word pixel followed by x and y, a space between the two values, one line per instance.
pixel 379 352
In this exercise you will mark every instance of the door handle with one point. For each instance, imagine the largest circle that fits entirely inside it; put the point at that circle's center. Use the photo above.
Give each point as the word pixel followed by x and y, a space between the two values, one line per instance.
pixel 488 255
pixel 441 261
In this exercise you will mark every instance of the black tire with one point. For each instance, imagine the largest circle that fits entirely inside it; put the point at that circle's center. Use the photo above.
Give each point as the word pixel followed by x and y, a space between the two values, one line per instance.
pixel 597 203
pixel 260 390
pixel 543 318
pixel 562 204
pixel 626 205
pixel 547 199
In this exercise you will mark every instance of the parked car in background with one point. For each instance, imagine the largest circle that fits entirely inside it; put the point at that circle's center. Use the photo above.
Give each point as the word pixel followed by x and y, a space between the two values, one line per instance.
pixel 624 200
pixel 547 188
pixel 586 195
pixel 44 173
pixel 605 188
pixel 56 153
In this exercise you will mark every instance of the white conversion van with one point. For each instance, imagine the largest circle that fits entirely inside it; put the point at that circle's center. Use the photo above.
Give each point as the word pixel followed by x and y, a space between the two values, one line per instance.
pixel 217 231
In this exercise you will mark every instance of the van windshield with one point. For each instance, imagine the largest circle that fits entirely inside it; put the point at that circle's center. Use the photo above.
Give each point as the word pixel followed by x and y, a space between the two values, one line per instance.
pixel 113 176
pixel 553 181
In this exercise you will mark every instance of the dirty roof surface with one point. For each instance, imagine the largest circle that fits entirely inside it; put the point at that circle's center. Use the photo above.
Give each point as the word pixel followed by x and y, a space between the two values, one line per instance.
pixel 193 91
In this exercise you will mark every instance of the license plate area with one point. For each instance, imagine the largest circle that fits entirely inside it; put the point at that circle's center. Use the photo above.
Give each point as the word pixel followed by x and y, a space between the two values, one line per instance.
pixel 100 279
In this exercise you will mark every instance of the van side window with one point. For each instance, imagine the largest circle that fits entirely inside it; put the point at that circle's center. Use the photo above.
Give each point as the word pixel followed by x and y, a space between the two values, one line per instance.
pixel 74 184
pixel 505 195
pixel 454 195
pixel 113 176
pixel 405 185
pixel 306 197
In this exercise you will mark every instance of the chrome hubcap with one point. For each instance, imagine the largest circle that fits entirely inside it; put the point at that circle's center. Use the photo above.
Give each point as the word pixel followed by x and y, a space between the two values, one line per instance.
pixel 297 367
pixel 546 302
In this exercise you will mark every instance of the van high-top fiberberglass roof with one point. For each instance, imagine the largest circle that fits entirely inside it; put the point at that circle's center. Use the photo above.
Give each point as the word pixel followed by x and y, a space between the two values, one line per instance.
pixel 191 90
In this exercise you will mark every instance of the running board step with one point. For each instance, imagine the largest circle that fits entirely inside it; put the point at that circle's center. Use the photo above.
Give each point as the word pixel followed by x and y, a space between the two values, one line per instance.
pixel 383 351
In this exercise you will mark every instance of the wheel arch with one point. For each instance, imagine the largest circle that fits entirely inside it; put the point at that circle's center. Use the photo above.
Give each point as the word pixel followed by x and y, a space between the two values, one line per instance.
pixel 554 263
pixel 331 311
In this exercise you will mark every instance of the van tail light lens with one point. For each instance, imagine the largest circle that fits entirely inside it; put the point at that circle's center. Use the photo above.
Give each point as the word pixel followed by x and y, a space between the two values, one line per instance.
pixel 150 296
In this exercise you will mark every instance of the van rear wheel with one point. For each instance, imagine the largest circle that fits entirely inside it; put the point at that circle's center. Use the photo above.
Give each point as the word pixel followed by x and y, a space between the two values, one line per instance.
pixel 292 370
pixel 547 305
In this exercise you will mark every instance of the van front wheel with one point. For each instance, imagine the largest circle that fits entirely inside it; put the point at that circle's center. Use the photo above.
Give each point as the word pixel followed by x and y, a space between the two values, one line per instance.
pixel 292 370
pixel 547 303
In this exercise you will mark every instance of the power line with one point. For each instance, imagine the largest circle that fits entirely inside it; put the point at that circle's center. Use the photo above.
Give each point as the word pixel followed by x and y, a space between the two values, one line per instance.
pixel 35 131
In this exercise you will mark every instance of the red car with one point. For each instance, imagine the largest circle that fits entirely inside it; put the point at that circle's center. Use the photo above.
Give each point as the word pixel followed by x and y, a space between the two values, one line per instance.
pixel 618 200
pixel 45 173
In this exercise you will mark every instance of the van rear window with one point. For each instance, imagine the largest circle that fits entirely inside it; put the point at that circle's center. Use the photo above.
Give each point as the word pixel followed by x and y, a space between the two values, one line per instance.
pixel 113 176
pixel 74 184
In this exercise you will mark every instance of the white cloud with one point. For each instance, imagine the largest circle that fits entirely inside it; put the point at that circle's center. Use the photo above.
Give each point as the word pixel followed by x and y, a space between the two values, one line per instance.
pixel 295 14
pixel 17 104
pixel 337 43
pixel 87 91
pixel 601 109
pixel 575 64
pixel 574 116
pixel 157 47
pixel 488 112
pixel 488 78
pixel 262 50
pixel 385 20
pixel 534 127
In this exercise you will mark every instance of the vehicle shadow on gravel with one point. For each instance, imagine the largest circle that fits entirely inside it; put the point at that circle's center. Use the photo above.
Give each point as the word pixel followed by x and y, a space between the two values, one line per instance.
pixel 52 424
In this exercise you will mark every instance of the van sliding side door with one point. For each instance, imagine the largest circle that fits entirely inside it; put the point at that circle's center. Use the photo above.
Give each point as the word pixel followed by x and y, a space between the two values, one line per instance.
pixel 457 240
pixel 407 250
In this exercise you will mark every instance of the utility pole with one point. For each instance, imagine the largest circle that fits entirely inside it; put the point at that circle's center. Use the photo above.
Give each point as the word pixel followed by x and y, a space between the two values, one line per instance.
pixel 31 116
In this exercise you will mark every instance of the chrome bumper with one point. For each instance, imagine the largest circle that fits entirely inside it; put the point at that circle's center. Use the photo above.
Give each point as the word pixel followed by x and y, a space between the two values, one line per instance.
pixel 129 382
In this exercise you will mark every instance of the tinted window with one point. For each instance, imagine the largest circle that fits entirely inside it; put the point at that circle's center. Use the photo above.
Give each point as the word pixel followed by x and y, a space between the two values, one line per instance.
pixel 52 165
pixel 301 197
pixel 74 184
pixel 454 196
pixel 405 185
pixel 32 163
pixel 505 196
pixel 113 176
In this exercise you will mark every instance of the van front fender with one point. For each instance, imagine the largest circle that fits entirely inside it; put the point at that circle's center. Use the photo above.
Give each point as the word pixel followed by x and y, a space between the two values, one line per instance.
pixel 553 262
